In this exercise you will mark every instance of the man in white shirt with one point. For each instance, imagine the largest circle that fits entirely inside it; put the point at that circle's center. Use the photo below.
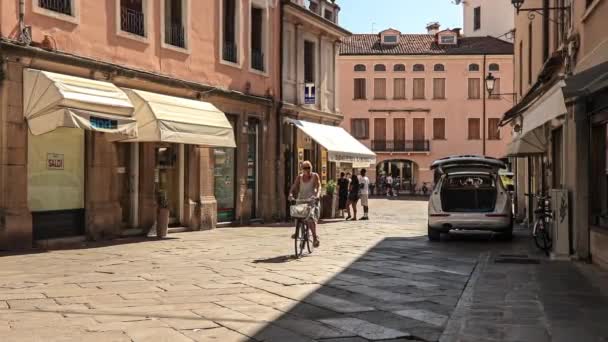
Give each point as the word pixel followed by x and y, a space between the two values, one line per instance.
pixel 389 185
pixel 364 193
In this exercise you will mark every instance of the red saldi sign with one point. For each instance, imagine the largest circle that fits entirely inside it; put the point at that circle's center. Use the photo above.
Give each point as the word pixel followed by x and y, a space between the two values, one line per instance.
pixel 54 161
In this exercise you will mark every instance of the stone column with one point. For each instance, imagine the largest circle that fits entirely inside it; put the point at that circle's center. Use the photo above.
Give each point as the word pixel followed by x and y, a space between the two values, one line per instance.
pixel 15 217
pixel 193 201
pixel 336 95
pixel 580 192
pixel 208 215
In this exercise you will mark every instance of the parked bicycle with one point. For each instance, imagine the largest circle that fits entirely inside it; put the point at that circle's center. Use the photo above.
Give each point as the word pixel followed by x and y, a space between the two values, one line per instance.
pixel 542 224
pixel 302 211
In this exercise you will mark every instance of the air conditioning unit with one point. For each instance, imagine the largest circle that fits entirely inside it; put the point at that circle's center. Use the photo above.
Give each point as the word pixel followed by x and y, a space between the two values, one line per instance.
pixel 560 206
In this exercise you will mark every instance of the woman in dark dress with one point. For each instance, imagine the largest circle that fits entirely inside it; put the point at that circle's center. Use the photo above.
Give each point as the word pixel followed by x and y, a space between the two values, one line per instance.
pixel 353 196
pixel 342 193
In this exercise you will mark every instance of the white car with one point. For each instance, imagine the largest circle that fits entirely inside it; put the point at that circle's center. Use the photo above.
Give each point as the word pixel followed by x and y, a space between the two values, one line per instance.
pixel 469 195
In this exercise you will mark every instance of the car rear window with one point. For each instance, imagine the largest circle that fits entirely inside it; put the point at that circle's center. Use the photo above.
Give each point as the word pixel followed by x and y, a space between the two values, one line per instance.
pixel 470 182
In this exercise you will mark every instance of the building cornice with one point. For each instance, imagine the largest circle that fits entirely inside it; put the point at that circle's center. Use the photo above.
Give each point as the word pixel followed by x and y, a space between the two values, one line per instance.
pixel 314 19
pixel 418 57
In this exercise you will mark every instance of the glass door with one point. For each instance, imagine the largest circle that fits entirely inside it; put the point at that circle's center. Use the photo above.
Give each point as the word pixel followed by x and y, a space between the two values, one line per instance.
pixel 167 178
pixel 252 164
pixel 224 173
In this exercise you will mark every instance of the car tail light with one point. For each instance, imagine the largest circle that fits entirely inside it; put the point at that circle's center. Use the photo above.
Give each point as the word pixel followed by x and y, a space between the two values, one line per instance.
pixel 497 215
pixel 440 215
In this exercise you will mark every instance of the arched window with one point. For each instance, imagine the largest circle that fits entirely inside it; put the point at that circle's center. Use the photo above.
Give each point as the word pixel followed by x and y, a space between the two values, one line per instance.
pixel 359 67
pixel 494 67
pixel 418 67
pixel 439 67
pixel 473 67
pixel 399 67
pixel 379 67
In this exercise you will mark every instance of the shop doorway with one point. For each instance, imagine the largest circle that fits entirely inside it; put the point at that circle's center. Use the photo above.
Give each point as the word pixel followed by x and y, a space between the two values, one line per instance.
pixel 224 174
pixel 253 147
pixel 404 173
pixel 169 178
pixel 56 183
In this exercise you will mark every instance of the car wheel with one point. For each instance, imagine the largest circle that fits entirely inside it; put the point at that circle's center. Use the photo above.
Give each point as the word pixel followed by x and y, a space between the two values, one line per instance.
pixel 434 235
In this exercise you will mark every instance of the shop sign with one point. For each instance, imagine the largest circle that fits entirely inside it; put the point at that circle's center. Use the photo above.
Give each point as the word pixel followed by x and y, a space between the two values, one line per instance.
pixel 300 159
pixel 309 94
pixel 54 161
pixel 103 123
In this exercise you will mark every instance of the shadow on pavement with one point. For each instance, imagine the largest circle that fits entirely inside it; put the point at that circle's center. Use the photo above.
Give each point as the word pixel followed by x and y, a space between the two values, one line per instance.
pixel 276 260
pixel 403 288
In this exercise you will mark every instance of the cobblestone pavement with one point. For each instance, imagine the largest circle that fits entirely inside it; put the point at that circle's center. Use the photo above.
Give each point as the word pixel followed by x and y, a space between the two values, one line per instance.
pixel 370 280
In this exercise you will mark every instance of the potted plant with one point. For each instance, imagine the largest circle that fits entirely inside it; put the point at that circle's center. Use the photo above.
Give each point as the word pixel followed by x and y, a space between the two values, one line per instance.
pixel 328 199
pixel 162 218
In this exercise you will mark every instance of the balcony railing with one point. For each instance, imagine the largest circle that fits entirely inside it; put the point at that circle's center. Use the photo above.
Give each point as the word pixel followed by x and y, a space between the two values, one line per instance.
pixel 175 35
pixel 257 59
pixel 230 52
pixel 61 6
pixel 132 21
pixel 401 145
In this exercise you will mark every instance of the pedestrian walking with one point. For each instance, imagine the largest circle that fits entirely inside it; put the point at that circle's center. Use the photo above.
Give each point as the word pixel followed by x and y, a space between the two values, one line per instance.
pixel 364 194
pixel 389 185
pixel 353 196
pixel 342 193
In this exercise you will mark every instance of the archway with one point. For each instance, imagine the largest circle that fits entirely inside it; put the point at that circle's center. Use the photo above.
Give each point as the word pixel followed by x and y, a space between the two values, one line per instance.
pixel 403 171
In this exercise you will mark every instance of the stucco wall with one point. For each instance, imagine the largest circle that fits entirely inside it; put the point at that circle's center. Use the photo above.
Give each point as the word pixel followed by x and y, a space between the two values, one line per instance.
pixel 94 35
pixel 496 17
pixel 456 108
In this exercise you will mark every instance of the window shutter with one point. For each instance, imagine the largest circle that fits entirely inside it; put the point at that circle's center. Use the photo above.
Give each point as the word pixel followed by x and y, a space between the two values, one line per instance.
pixel 399 89
pixel 359 89
pixel 439 88
pixel 493 129
pixel 474 127
pixel 439 128
pixel 380 88
pixel 418 88
pixel 474 85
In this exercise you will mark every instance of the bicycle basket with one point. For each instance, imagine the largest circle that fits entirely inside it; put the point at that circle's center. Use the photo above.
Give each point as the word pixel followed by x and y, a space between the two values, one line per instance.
pixel 299 210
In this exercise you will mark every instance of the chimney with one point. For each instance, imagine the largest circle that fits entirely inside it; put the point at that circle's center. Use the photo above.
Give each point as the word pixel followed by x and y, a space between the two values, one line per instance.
pixel 433 28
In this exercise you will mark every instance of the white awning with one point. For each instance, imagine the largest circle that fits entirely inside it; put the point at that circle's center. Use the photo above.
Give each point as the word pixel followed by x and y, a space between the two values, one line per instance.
pixel 549 106
pixel 52 100
pixel 163 118
pixel 533 142
pixel 341 146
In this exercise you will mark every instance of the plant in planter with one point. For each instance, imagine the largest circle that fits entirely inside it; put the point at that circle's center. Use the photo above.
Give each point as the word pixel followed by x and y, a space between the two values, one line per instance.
pixel 162 218
pixel 328 199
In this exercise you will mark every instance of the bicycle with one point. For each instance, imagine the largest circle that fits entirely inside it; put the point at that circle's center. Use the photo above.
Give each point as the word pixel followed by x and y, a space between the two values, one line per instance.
pixel 302 211
pixel 541 231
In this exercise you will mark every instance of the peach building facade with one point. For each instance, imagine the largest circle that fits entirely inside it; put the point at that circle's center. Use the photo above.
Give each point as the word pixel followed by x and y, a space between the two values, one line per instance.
pixel 218 56
pixel 412 99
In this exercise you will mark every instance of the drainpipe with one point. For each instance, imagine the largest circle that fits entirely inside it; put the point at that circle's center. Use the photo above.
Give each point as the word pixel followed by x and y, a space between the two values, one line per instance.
pixel 483 89
pixel 279 100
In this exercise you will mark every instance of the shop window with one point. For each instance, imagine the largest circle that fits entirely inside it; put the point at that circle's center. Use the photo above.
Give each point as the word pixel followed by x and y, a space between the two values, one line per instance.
pixel 225 187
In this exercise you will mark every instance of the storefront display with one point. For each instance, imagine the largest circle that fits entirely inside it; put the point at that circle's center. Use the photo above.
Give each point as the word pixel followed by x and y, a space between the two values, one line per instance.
pixel 224 173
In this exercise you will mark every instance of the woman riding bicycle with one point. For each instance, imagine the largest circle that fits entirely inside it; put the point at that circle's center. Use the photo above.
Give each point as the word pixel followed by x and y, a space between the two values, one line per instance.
pixel 307 186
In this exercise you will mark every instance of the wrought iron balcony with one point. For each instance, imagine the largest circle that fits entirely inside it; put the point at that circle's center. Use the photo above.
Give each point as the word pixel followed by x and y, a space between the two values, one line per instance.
pixel 230 52
pixel 132 21
pixel 61 6
pixel 175 35
pixel 401 145
pixel 257 59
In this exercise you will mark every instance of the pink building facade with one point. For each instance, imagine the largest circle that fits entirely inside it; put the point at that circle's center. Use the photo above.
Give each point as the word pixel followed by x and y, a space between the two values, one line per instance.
pixel 414 98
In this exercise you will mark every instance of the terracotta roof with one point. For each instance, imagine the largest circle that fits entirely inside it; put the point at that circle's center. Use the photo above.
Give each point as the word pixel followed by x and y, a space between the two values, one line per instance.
pixel 423 44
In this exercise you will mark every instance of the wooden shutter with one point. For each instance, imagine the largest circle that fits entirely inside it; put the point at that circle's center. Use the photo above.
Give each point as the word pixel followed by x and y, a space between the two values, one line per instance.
pixel 360 89
pixel 380 88
pixel 379 129
pixel 399 129
pixel 399 89
pixel 439 88
pixel 493 129
pixel 474 85
pixel 419 129
pixel 418 88
pixel 360 128
pixel 474 127
pixel 439 128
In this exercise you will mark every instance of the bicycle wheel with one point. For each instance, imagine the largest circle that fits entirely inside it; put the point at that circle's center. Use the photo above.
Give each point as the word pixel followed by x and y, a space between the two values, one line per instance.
pixel 299 241
pixel 541 237
pixel 309 240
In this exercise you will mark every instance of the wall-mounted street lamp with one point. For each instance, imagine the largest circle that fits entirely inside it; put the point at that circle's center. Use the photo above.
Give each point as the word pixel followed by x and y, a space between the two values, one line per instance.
pixel 491 83
pixel 519 3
